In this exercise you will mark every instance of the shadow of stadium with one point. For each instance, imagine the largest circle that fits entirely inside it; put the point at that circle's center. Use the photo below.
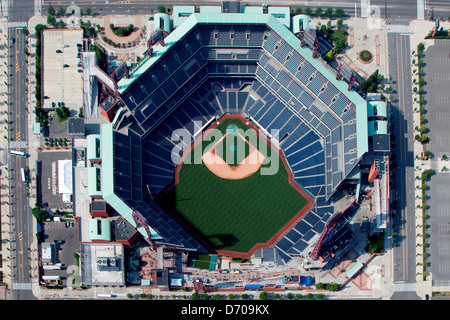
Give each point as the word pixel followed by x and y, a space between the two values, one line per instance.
pixel 223 240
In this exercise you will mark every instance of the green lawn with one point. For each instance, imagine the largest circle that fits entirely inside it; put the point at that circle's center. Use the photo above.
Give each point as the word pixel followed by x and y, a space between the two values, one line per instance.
pixel 236 214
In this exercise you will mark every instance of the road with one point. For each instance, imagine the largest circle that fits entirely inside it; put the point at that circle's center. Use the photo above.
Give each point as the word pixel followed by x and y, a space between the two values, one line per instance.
pixel 394 11
pixel 20 10
pixel 20 212
pixel 404 220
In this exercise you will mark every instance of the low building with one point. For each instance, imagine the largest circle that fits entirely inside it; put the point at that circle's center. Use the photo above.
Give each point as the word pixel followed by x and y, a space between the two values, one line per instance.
pixel 102 264
pixel 99 209
pixel 160 277
pixel 108 108
pixel 47 253
pixel 124 232
pixel 75 127
pixel 99 230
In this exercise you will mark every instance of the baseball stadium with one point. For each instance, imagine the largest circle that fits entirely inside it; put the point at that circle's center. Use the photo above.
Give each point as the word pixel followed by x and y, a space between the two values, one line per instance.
pixel 233 136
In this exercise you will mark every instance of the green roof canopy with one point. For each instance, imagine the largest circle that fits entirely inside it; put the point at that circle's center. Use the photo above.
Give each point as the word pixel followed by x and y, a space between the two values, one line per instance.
pixel 99 229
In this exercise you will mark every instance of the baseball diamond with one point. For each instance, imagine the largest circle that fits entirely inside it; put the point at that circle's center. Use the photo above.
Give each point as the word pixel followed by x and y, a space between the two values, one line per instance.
pixel 235 215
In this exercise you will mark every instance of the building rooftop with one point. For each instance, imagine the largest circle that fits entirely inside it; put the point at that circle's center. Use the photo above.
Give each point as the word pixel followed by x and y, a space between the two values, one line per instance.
pixel 95 271
pixel 61 80
pixel 123 230
pixel 98 205
pixel 100 229
pixel 108 103
pixel 381 143
pixel 75 126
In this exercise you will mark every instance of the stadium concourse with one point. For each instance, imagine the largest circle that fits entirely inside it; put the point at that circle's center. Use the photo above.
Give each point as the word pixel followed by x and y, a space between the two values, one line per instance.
pixel 246 62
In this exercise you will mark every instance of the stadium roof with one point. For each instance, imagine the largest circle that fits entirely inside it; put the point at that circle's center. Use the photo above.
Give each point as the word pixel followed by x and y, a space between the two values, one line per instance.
pixel 276 25
pixel 342 150
pixel 107 184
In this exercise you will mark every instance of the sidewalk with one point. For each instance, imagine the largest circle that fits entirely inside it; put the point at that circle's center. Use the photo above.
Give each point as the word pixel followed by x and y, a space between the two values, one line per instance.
pixel 34 141
pixel 4 146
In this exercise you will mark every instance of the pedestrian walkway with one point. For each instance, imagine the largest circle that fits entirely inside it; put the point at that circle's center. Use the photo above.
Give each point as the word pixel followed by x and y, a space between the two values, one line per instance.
pixel 420 9
pixel 398 28
pixel 4 206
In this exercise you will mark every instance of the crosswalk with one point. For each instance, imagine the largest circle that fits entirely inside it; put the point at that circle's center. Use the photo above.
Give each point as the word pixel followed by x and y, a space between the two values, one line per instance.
pixel 21 286
pixel 397 28
pixel 404 286
pixel 17 24
pixel 420 9
pixel 17 144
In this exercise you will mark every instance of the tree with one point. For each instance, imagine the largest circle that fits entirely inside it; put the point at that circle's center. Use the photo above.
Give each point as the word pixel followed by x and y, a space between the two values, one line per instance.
pixel 231 296
pixel 38 213
pixel 88 11
pixel 427 174
pixel 334 286
pixel 51 20
pixel 423 128
pixel 319 285
pixel 60 11
pixel 339 12
pixel 329 13
pixel 339 45
pixel 194 296
pixel 339 24
pixel 162 9
pixel 217 297
pixel 290 296
pixel 428 154
pixel 263 296
pixel 318 12
pixel 51 11
pixel 421 47
pixel 308 11
pixel 298 11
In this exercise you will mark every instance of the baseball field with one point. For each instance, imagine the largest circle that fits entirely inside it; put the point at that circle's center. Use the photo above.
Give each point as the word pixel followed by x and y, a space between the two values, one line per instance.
pixel 235 207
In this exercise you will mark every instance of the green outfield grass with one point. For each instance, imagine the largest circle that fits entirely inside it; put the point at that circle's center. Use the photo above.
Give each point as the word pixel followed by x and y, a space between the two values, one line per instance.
pixel 236 214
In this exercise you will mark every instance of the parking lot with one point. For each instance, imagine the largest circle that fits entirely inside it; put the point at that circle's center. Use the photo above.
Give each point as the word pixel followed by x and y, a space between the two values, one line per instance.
pixel 55 231
pixel 48 183
pixel 437 69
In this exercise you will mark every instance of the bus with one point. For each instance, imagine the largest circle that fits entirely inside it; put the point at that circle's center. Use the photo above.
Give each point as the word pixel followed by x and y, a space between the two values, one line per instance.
pixel 18 154
pixel 24 175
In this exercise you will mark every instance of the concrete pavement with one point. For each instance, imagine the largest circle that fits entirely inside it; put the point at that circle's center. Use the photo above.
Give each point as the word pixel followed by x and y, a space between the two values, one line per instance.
pixel 4 146
pixel 418 29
